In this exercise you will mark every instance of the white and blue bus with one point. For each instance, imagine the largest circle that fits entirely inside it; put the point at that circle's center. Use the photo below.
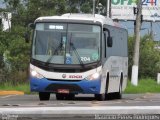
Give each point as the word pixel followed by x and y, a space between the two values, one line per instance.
pixel 78 53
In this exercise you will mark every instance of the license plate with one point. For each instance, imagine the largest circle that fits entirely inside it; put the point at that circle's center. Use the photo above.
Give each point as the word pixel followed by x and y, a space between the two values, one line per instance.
pixel 63 91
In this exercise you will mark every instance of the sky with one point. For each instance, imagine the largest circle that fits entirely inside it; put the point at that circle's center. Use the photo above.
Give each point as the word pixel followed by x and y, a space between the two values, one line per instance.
pixel 1 4
pixel 145 29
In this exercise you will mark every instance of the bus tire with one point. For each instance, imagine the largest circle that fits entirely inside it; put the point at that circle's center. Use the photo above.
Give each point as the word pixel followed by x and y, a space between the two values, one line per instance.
pixel 100 97
pixel 60 96
pixel 44 96
pixel 107 96
pixel 118 95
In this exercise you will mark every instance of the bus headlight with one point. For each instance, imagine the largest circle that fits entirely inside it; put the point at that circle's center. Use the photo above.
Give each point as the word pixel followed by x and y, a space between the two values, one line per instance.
pixel 93 76
pixel 35 74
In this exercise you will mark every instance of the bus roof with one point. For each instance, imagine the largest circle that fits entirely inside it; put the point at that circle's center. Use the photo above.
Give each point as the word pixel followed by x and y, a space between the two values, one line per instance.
pixel 82 17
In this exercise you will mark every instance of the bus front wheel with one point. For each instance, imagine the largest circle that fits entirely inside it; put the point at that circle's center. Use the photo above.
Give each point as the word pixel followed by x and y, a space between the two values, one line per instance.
pixel 44 96
pixel 100 97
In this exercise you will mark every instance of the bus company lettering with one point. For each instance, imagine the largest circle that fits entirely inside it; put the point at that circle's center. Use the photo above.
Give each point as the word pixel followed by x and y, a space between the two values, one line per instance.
pixel 75 76
pixel 133 2
pixel 64 76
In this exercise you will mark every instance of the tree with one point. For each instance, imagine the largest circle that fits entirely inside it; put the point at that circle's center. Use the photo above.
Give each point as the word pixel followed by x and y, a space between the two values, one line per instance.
pixel 149 58
pixel 149 64
pixel 15 55
pixel 86 7
pixel 12 4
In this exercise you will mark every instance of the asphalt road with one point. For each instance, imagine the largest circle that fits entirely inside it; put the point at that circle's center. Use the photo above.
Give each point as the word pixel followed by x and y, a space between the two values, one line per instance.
pixel 80 101
pixel 83 107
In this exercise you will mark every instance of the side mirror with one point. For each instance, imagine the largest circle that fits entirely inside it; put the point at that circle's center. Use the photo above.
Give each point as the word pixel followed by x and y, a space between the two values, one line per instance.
pixel 31 25
pixel 27 37
pixel 27 34
pixel 109 41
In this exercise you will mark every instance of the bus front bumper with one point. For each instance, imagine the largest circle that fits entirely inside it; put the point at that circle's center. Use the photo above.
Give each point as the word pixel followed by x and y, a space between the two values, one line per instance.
pixel 82 86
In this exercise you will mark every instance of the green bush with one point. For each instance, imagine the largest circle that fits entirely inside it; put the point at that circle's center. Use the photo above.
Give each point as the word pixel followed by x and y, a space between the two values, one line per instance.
pixel 149 61
pixel 14 66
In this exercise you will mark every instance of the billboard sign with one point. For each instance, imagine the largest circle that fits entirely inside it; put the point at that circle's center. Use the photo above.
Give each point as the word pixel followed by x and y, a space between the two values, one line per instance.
pixel 123 9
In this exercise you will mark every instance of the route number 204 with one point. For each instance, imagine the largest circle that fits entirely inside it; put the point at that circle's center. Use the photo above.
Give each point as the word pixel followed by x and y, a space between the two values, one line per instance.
pixel 85 59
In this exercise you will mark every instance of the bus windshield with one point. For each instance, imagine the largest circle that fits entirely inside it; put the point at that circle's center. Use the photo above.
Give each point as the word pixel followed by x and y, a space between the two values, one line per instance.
pixel 65 43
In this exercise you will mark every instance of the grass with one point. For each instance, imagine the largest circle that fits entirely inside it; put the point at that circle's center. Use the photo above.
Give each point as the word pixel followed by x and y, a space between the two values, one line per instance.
pixel 144 86
pixel 20 87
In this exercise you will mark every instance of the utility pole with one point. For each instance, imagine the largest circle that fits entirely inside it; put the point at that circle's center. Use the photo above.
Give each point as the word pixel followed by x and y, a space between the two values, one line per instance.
pixel 94 5
pixel 134 79
pixel 134 27
pixel 108 8
pixel 151 32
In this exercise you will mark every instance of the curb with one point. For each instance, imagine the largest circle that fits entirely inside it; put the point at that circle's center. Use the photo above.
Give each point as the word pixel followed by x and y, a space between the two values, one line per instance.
pixel 112 110
pixel 11 93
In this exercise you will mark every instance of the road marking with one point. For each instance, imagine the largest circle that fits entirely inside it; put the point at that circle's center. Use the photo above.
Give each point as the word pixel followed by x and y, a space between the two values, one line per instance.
pixel 9 96
pixel 83 110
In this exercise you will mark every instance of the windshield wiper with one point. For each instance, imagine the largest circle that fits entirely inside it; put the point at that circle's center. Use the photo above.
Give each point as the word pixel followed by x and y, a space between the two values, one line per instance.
pixel 56 50
pixel 75 50
pixel 78 56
